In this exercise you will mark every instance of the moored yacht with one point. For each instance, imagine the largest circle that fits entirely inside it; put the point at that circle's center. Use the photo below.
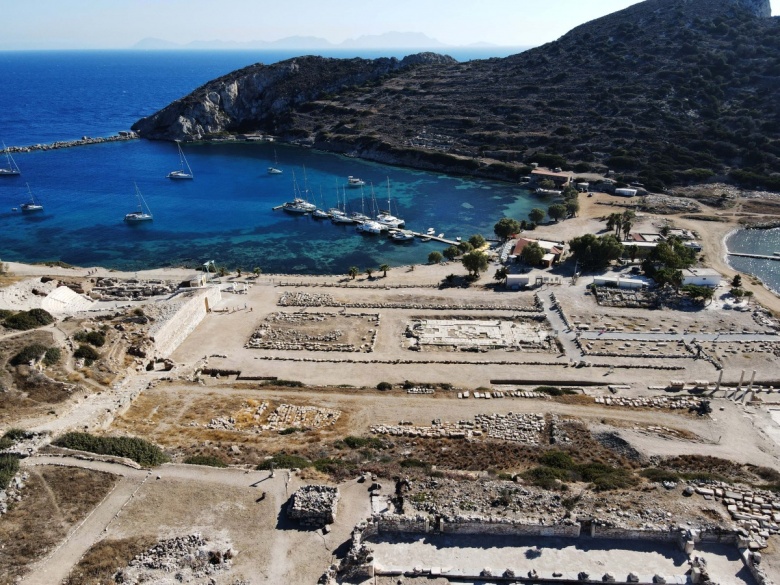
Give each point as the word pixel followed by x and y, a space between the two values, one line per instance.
pixel 141 214
pixel 181 173
pixel 298 205
pixel 402 236
pixel 11 169
pixel 369 227
pixel 385 217
pixel 355 182
pixel 30 206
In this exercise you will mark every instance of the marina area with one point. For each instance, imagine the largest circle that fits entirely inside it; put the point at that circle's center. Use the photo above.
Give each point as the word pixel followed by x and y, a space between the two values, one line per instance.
pixel 226 210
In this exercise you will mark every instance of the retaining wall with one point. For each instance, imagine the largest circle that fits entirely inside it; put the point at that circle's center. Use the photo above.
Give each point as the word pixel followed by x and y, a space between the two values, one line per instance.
pixel 190 312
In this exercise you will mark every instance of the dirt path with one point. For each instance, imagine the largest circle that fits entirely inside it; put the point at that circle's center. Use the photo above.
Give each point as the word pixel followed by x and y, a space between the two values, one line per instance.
pixel 56 566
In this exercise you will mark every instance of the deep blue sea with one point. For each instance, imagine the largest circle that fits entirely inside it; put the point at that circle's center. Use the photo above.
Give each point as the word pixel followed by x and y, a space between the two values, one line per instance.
pixel 225 214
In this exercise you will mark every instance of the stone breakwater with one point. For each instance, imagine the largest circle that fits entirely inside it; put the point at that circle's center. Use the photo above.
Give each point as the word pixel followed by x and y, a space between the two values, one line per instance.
pixel 83 141
pixel 314 505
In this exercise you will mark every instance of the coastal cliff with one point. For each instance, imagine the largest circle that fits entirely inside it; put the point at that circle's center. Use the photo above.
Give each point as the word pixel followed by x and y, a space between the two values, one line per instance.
pixel 259 97
pixel 664 92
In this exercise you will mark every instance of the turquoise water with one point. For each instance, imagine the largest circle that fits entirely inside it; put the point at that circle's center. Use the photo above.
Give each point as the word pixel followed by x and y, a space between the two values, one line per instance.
pixel 226 214
pixel 765 242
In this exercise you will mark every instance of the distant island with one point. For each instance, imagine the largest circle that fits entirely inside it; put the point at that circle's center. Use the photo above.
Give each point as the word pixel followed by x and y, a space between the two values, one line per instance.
pixel 388 40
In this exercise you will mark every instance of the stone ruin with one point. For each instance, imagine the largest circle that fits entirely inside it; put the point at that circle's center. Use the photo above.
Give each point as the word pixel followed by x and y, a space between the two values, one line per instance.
pixel 114 289
pixel 314 505
pixel 187 559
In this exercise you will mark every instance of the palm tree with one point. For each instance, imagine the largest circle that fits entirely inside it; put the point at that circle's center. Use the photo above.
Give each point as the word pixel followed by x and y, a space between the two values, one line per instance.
pixel 501 274
pixel 238 272
pixel 257 270
pixel 369 272
pixel 353 272
pixel 222 271
pixel 384 268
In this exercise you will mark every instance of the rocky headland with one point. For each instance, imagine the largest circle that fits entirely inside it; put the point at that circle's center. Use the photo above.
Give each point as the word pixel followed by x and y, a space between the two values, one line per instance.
pixel 666 92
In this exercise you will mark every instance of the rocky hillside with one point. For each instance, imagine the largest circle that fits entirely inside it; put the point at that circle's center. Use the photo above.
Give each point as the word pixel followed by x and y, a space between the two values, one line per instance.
pixel 665 92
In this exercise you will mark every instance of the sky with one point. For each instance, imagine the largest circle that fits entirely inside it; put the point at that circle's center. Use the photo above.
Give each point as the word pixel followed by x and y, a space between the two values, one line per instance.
pixel 119 24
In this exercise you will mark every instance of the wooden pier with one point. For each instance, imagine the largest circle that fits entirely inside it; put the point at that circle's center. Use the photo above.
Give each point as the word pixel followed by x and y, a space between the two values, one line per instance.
pixel 759 256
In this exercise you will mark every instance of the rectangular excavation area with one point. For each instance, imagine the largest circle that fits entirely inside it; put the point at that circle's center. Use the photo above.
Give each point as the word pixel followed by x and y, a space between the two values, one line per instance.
pixel 459 334
pixel 303 331
pixel 552 558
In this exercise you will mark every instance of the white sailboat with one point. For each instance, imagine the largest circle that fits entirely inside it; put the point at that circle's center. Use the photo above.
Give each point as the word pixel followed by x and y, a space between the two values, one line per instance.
pixel 181 173
pixel 141 214
pixel 298 205
pixel 355 182
pixel 31 206
pixel 11 169
pixel 275 170
pixel 385 217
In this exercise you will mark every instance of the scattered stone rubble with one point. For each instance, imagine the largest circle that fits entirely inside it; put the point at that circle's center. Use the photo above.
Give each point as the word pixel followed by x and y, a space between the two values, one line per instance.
pixel 524 428
pixel 673 403
pixel 285 416
pixel 183 559
pixel 464 334
pixel 13 492
pixel 504 394
pixel 290 415
pixel 307 299
pixel 287 331
pixel 112 289
pixel 756 511
pixel 314 505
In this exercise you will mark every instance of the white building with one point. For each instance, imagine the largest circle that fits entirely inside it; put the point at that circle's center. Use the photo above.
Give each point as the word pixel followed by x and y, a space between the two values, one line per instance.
pixel 701 277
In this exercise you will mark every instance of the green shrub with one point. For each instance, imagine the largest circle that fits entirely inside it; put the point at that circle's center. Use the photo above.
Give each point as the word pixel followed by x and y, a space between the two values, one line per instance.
pixel 545 477
pixel 21 322
pixel 333 466
pixel 52 356
pixel 140 451
pixel 5 443
pixel 416 463
pixel 87 352
pixel 291 430
pixel 284 461
pixel 207 460
pixel 41 317
pixel 5 313
pixel 557 459
pixel 26 320
pixel 287 383
pixel 659 475
pixel 384 386
pixel 29 353
pixel 17 434
pixel 363 442
pixel 9 466
pixel 96 338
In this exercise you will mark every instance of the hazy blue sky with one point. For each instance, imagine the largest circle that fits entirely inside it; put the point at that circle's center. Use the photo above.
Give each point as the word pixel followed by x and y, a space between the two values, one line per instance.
pixel 117 24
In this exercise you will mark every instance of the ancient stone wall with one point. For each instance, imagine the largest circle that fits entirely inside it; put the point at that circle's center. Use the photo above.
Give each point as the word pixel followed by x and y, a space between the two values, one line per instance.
pixel 484 526
pixel 188 310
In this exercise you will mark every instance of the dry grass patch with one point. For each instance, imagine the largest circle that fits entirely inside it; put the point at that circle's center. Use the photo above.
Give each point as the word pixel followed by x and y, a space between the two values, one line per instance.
pixel 104 559
pixel 53 502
